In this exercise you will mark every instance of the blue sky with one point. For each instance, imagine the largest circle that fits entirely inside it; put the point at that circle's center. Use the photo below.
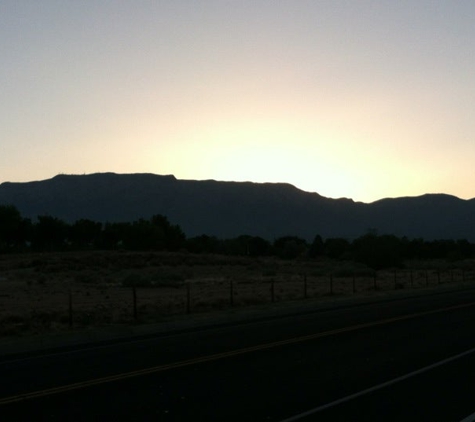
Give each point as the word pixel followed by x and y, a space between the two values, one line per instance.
pixel 360 99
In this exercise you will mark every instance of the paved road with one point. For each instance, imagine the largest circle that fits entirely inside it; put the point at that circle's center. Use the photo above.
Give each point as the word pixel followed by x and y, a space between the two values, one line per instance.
pixel 409 359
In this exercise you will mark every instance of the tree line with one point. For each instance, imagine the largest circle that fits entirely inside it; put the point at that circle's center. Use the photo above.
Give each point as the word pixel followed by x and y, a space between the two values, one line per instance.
pixel 47 233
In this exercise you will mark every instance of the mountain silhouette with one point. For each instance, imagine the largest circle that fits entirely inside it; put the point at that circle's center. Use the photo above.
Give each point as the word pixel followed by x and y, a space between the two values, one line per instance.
pixel 229 209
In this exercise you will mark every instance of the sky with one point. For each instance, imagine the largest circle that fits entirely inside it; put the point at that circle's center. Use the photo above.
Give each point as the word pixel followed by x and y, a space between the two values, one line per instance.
pixel 364 99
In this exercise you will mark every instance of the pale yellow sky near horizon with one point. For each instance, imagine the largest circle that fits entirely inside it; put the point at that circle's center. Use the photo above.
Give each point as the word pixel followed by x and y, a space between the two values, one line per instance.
pixel 360 99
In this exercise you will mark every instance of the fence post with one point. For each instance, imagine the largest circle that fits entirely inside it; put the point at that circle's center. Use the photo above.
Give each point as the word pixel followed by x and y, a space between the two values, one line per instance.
pixel 188 298
pixel 354 283
pixel 427 278
pixel 272 290
pixel 70 308
pixel 134 298
pixel 231 292
pixel 412 280
pixel 438 276
pixel 305 286
pixel 395 280
pixel 374 281
pixel 331 284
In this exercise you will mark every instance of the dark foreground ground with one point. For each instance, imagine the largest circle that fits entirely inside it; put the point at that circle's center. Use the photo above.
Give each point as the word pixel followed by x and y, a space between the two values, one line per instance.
pixel 402 357
pixel 63 291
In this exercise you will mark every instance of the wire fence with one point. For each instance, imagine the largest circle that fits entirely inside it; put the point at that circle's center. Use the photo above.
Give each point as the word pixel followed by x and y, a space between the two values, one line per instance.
pixel 39 307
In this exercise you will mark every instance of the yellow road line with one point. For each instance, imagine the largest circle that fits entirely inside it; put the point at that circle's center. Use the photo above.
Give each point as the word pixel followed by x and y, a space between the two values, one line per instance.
pixel 217 356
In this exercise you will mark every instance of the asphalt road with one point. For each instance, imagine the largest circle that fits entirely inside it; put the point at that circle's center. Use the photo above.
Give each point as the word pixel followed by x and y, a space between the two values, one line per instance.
pixel 411 359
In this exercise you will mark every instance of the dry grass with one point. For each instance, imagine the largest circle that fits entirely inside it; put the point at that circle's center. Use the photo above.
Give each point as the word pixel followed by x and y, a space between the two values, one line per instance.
pixel 42 292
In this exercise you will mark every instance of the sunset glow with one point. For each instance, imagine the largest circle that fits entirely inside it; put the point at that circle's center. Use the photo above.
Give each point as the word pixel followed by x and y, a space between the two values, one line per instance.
pixel 363 99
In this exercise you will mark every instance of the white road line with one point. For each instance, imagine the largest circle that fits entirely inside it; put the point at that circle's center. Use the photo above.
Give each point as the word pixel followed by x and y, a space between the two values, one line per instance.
pixel 470 418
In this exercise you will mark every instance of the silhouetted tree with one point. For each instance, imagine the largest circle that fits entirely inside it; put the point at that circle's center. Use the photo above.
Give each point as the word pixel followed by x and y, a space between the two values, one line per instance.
pixel 155 234
pixel 113 235
pixel 236 246
pixel 173 235
pixel 465 249
pixel 415 249
pixel 378 251
pixel 257 246
pixel 290 247
pixel 317 247
pixel 142 235
pixel 246 245
pixel 204 244
pixel 13 229
pixel 337 248
pixel 85 234
pixel 49 233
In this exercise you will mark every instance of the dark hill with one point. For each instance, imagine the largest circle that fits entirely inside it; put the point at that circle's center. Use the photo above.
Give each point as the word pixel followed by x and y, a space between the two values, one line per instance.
pixel 228 209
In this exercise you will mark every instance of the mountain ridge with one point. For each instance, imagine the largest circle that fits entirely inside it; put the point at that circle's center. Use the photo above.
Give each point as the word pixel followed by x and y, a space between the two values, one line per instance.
pixel 228 209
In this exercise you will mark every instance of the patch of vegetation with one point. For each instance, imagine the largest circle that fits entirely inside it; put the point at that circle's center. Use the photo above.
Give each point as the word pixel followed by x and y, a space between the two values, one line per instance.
pixel 136 280
pixel 85 278
pixel 170 277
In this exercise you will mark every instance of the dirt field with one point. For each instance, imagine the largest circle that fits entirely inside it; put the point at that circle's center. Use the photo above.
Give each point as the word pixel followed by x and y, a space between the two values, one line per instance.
pixel 60 291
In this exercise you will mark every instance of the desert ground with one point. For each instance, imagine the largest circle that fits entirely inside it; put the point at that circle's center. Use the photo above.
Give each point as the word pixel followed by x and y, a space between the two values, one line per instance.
pixel 52 292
